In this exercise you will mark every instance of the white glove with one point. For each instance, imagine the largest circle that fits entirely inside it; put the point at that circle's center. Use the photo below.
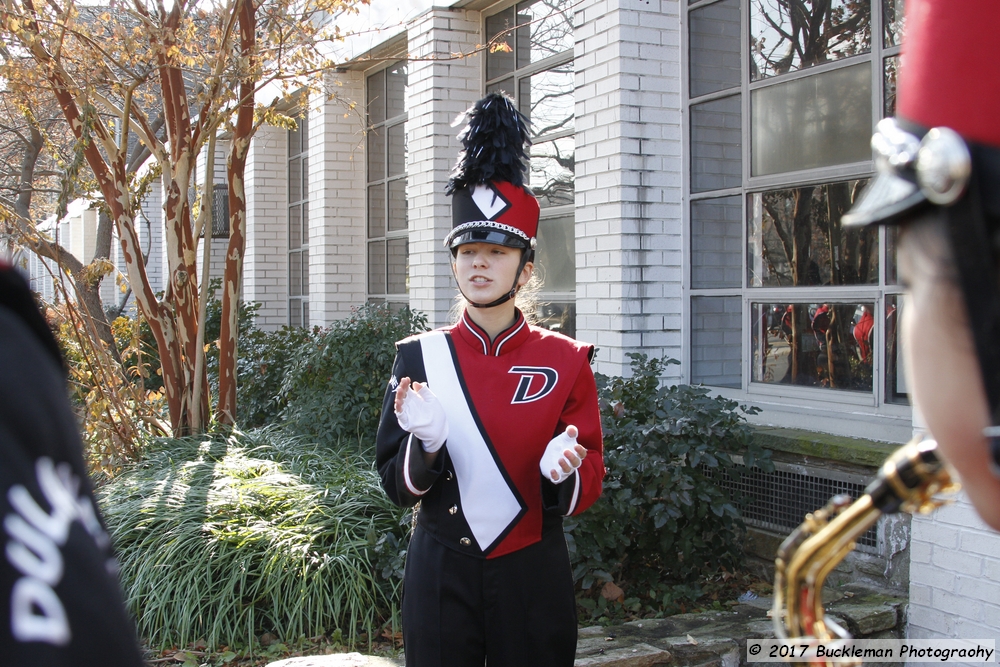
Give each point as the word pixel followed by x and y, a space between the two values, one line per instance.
pixel 423 416
pixel 555 455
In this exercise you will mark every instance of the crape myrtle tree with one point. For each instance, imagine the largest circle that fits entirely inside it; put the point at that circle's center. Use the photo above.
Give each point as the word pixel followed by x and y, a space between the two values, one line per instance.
pixel 169 78
pixel 41 173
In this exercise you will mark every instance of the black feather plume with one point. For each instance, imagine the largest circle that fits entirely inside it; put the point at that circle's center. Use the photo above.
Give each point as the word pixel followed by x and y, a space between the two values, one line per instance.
pixel 494 144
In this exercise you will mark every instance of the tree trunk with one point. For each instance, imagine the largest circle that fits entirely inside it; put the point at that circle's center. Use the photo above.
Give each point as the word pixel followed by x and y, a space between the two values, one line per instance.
pixel 235 173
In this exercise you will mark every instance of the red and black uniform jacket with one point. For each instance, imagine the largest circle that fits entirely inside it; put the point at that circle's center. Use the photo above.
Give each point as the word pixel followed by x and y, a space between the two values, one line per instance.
pixel 485 495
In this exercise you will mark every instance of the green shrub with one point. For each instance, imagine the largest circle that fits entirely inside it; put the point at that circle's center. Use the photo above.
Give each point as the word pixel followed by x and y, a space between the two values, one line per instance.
pixel 661 522
pixel 335 391
pixel 223 540
pixel 262 365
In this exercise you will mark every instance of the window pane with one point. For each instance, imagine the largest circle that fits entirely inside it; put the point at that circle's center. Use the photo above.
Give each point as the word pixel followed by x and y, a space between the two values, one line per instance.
pixel 376 154
pixel 813 344
pixel 787 35
pixel 505 86
pixel 716 341
pixel 817 121
pixel 399 266
pixel 305 313
pixel 715 47
pixel 547 99
pixel 295 274
pixel 305 273
pixel 397 205
pixel 558 316
pixel 305 223
pixel 717 243
pixel 500 55
pixel 892 21
pixel 889 72
pixel 550 174
pixel 395 90
pixel 555 256
pixel 295 312
pixel 891 245
pixel 376 98
pixel 376 267
pixel 546 29
pixel 294 227
pixel 794 238
pixel 304 187
pixel 298 138
pixel 895 369
pixel 295 180
pixel 376 211
pixel 716 145
pixel 397 149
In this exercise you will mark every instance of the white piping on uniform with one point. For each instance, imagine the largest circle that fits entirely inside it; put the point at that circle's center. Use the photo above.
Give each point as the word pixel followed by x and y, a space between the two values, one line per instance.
pixel 411 487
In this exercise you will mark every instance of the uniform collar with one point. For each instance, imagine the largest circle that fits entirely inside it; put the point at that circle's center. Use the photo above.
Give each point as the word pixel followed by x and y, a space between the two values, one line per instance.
pixel 506 341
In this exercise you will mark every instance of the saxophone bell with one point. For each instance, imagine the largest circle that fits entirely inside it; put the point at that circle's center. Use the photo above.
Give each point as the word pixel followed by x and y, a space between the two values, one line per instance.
pixel 908 481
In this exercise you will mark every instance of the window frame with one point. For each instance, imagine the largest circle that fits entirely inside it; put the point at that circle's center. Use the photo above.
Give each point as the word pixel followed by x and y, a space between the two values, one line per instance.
pixel 518 74
pixel 876 293
pixel 301 300
pixel 396 299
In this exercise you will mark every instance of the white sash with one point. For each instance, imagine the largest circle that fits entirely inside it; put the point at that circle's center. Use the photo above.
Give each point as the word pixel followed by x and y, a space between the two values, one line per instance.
pixel 488 503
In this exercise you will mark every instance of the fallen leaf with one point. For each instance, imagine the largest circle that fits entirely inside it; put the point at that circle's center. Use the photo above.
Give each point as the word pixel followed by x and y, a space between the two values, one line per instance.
pixel 611 592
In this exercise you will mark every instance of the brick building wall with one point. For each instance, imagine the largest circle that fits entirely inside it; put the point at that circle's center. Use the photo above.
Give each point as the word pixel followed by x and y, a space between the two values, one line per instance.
pixel 336 199
pixel 265 270
pixel 628 180
pixel 440 88
pixel 954 575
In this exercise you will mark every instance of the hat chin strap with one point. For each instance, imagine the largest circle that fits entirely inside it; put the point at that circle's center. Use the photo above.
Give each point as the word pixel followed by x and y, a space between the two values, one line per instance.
pixel 506 297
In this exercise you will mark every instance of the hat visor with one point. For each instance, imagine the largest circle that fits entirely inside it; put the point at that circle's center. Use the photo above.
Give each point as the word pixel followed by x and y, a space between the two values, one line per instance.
pixel 886 199
pixel 486 235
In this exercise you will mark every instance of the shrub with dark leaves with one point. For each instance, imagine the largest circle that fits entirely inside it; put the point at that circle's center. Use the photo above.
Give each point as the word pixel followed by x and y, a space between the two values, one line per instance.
pixel 662 522
pixel 335 389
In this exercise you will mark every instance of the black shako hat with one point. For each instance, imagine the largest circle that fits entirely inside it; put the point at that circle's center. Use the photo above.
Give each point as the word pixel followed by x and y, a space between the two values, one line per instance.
pixel 489 201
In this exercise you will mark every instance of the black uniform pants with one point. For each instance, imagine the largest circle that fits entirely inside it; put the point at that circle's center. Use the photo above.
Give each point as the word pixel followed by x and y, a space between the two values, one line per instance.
pixel 516 610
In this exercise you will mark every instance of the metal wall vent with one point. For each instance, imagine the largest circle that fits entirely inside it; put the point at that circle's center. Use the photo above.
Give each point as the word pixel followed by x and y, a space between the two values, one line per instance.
pixel 778 501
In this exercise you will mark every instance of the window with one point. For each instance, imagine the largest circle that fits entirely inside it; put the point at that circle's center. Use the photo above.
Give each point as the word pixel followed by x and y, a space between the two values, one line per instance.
pixel 388 245
pixel 778 143
pixel 533 63
pixel 298 223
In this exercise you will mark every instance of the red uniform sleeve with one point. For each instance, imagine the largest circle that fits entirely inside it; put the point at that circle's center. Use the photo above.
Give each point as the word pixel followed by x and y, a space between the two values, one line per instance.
pixel 580 490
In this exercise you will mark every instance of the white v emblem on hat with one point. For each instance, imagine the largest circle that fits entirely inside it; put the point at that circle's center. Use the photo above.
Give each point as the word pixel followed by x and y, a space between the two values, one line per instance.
pixel 489 200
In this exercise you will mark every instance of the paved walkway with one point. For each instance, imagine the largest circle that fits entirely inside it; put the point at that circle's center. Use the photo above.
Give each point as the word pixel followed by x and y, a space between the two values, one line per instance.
pixel 709 639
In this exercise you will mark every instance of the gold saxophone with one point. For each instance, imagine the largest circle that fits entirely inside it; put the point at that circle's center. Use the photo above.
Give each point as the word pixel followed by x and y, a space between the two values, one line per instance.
pixel 908 481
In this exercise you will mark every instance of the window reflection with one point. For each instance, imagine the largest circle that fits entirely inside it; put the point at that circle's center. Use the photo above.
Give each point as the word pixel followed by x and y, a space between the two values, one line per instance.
pixel 789 35
pixel 547 99
pixel 716 341
pixel 715 47
pixel 500 33
pixel 817 121
pixel 716 145
pixel 895 373
pixel 892 21
pixel 717 242
pixel 890 71
pixel 551 172
pixel 545 29
pixel 794 238
pixel 558 316
pixel 827 345
pixel 555 257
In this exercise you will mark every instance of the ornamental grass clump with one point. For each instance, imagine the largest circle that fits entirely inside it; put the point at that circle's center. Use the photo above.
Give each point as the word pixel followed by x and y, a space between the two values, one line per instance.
pixel 663 524
pixel 222 540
